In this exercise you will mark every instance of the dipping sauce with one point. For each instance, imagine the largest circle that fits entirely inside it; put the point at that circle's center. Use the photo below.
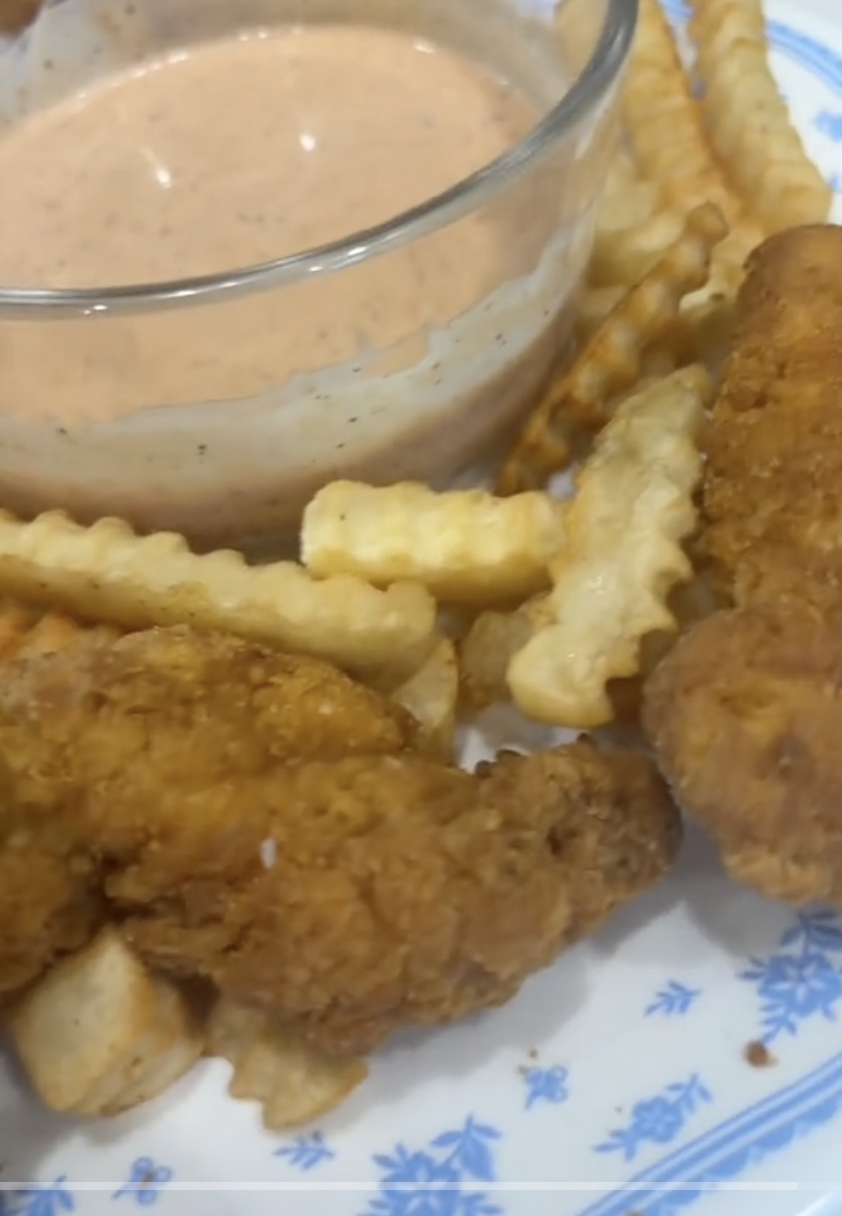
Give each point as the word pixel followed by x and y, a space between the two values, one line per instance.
pixel 236 152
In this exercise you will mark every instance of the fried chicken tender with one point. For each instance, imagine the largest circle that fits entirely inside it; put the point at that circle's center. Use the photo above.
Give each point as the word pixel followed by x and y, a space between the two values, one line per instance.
pixel 151 708
pixel 743 714
pixel 350 895
pixel 773 483
pixel 747 717
pixel 15 15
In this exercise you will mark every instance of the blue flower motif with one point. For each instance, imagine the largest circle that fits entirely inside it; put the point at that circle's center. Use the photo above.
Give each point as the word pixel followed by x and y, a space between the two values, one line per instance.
pixel 546 1085
pixel 803 978
pixel 673 1000
pixel 40 1200
pixel 145 1182
pixel 829 123
pixel 307 1152
pixel 657 1120
pixel 442 1178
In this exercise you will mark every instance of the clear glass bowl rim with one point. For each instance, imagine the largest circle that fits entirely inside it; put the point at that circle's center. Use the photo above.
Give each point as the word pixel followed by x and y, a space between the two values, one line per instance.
pixel 586 92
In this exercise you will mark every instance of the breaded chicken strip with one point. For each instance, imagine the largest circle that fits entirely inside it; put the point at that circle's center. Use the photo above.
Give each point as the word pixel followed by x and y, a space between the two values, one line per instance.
pixel 772 486
pixel 350 895
pixel 149 709
pixel 744 714
pixel 395 892
pixel 15 15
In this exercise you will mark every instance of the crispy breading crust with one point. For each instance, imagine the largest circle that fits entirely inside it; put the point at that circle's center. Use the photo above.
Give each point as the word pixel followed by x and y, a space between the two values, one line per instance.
pixel 192 784
pixel 744 714
pixel 149 708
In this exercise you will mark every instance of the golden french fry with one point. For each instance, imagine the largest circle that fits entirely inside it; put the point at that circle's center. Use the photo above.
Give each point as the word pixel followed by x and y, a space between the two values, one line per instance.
pixel 748 120
pixel 99 1034
pixel 431 696
pixel 108 573
pixel 613 360
pixel 632 227
pixel 593 306
pixel 667 134
pixel 466 546
pixel 489 646
pixel 611 580
pixel 273 1066
pixel 664 124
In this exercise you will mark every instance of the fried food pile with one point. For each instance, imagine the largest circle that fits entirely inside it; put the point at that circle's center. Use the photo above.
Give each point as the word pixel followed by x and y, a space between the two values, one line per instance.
pixel 232 817
pixel 264 822
pixel 745 713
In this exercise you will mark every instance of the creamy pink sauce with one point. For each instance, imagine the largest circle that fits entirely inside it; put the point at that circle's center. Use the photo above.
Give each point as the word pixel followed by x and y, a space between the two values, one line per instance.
pixel 248 150
pixel 233 153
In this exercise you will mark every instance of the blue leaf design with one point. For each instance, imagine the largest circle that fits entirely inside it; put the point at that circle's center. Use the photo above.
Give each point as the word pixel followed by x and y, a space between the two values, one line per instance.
pixel 386 1163
pixel 473 1154
pixel 446 1139
pixel 307 1152
pixel 431 1181
pixel 803 979
pixel 674 999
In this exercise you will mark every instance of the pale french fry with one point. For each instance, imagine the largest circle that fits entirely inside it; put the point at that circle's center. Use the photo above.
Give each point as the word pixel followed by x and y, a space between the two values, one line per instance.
pixel 623 555
pixel 108 573
pixel 466 546
pixel 667 134
pixel 632 227
pixel 489 646
pixel 664 124
pixel 431 696
pixel 273 1066
pixel 614 359
pixel 99 1035
pixel 748 120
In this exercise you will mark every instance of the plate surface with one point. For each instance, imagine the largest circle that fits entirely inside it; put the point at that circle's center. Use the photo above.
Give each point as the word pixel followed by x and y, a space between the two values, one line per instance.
pixel 618 1082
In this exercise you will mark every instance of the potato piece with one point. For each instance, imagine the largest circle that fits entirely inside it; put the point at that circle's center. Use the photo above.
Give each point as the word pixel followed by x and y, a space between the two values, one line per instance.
pixel 431 696
pixel 108 573
pixel 747 119
pixel 466 546
pixel 273 1066
pixel 614 359
pixel 99 1034
pixel 612 580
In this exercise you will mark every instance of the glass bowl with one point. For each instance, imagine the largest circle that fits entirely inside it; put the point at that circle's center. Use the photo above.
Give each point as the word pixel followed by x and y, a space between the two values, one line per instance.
pixel 206 405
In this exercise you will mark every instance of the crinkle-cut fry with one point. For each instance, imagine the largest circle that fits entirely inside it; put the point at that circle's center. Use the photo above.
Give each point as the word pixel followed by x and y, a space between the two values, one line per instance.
pixel 466 546
pixel 99 1034
pixel 489 646
pixel 272 1065
pixel 613 361
pixel 665 125
pixel 107 573
pixel 593 306
pixel 431 695
pixel 632 227
pixel 611 581
pixel 748 121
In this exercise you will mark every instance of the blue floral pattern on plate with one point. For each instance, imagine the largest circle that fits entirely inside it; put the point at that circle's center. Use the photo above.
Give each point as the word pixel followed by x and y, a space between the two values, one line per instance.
pixel 447 1178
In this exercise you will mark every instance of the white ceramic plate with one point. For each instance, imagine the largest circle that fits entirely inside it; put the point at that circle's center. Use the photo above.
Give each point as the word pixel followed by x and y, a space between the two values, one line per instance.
pixel 615 1085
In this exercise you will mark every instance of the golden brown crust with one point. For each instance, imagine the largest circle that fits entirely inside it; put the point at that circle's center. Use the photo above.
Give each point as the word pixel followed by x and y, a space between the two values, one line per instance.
pixel 745 715
pixel 350 894
pixel 773 482
pixel 15 15
pixel 153 709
